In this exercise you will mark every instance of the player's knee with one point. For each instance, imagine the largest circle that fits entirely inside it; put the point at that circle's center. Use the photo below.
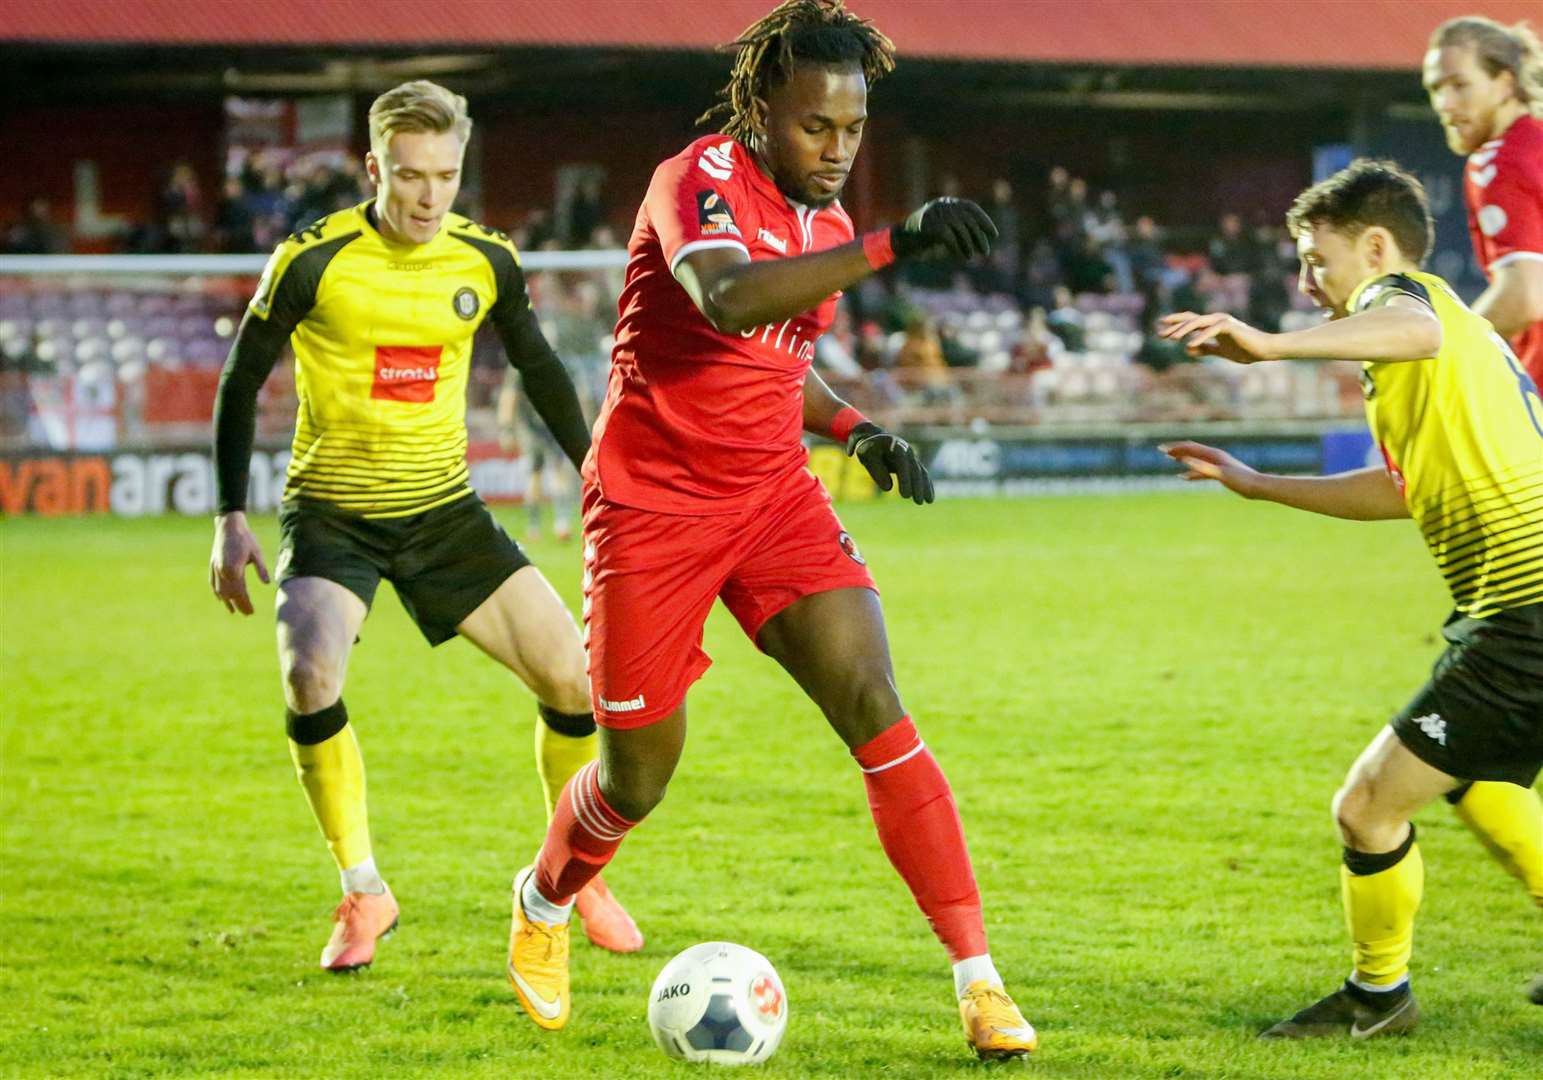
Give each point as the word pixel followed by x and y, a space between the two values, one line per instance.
pixel 563 684
pixel 634 797
pixel 866 706
pixel 311 684
pixel 1362 824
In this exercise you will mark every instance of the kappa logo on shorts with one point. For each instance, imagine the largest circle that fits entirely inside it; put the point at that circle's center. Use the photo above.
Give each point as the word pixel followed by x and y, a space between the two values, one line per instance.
pixel 630 705
pixel 466 303
pixel 1434 726
pixel 849 546
pixel 406 372
pixel 714 218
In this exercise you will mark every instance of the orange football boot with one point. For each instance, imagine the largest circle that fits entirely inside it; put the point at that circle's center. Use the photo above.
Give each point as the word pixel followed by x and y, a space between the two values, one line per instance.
pixel 606 922
pixel 993 1026
pixel 361 920
pixel 538 963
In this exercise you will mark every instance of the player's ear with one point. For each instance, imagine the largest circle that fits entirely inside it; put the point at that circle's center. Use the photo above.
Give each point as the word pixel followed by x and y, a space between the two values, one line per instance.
pixel 372 167
pixel 760 113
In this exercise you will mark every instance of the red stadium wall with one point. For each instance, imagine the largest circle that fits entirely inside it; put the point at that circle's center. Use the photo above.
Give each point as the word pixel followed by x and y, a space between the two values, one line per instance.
pixel 1298 33
pixel 132 146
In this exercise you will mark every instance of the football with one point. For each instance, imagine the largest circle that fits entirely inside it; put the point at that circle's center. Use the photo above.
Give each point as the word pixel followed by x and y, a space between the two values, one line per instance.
pixel 718 1002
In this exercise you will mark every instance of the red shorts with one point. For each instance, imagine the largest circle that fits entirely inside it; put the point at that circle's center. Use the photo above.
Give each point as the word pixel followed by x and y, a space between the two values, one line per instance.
pixel 650 579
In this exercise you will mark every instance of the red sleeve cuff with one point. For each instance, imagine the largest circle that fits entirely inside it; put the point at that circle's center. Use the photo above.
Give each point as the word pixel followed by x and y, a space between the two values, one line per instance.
pixel 878 249
pixel 847 419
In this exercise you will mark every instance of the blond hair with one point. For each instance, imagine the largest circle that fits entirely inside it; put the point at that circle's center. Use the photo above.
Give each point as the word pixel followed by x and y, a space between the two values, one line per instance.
pixel 419 105
pixel 1499 48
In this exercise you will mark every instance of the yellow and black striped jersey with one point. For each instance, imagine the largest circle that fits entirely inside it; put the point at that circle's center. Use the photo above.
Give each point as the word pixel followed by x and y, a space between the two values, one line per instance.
pixel 382 334
pixel 1462 436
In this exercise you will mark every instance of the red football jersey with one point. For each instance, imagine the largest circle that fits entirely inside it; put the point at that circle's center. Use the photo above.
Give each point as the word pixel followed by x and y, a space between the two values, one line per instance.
pixel 1503 186
pixel 694 421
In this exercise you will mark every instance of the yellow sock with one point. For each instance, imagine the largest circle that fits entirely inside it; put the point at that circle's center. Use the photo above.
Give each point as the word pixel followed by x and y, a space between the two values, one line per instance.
pixel 1379 910
pixel 1508 820
pixel 332 774
pixel 558 757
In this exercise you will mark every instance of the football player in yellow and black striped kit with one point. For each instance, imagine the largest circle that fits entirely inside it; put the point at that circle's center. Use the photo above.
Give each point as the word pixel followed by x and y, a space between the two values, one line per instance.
pixel 380 303
pixel 1460 427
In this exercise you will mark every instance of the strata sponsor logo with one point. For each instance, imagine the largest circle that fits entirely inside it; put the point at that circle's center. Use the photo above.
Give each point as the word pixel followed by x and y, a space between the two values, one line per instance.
pixel 131 485
pixel 714 218
pixel 630 705
pixel 406 372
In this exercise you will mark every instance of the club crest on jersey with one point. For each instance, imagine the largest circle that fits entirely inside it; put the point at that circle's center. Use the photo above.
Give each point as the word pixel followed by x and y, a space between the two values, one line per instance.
pixel 849 546
pixel 466 303
pixel 713 216
pixel 406 372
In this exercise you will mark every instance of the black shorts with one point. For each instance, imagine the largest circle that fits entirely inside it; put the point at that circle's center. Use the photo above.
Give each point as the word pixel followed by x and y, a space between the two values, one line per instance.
pixel 443 562
pixel 1481 715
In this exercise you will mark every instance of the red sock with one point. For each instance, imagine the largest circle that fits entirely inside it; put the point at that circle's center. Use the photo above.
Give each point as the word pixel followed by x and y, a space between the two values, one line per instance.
pixel 581 839
pixel 920 829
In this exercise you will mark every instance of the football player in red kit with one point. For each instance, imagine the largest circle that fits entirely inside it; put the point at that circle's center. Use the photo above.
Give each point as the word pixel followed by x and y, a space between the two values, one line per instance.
pixel 697 489
pixel 1485 82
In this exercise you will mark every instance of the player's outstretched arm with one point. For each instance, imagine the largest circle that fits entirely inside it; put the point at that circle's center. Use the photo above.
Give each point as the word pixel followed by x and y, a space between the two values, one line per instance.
pixel 1360 495
pixel 735 294
pixel 1514 299
pixel 889 459
pixel 1401 329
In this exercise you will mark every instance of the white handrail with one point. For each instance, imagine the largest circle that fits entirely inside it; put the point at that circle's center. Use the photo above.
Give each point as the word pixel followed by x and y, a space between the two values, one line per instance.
pixel 252 265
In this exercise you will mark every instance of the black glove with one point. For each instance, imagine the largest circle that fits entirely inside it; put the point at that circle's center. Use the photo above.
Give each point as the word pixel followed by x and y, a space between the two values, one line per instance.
pixel 956 228
pixel 885 455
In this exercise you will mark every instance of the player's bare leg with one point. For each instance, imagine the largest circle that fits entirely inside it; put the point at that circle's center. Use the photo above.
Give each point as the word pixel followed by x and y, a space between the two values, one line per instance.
pixel 317 623
pixel 1382 881
pixel 602 802
pixel 526 627
pixel 834 645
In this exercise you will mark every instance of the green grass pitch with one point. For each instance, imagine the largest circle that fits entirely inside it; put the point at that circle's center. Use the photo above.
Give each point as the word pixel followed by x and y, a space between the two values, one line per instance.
pixel 1144 704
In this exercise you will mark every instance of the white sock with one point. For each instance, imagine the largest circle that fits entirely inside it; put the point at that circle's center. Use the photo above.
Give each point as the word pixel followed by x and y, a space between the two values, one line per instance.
pixel 541 909
pixel 1370 988
pixel 975 969
pixel 363 878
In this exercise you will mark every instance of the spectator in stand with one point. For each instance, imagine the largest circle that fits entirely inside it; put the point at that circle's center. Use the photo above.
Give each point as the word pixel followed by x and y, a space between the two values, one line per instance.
pixel 1038 348
pixel 1066 322
pixel 1003 268
pixel 920 359
pixel 234 220
pixel 1058 196
pixel 1106 229
pixel 1041 274
pixel 1273 265
pixel 35 233
pixel 1230 251
pixel 586 209
pixel 540 230
pixel 180 208
pixel 835 351
pixel 1145 252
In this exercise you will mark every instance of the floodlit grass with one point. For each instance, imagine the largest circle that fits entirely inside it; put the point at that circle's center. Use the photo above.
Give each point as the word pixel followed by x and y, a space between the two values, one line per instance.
pixel 1143 703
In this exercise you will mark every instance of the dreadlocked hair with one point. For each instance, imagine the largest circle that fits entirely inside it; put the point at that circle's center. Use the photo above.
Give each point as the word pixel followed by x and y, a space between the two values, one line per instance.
pixel 821 31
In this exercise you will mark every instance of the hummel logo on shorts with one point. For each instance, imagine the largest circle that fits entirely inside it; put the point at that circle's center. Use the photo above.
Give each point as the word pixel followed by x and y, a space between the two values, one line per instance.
pixel 630 705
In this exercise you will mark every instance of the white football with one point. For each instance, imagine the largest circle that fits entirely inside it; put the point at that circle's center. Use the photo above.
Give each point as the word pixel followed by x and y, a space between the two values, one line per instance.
pixel 718 1002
